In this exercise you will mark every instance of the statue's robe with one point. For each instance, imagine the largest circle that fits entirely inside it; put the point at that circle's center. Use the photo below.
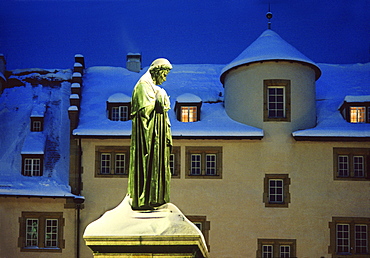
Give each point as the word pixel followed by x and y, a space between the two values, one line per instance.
pixel 151 143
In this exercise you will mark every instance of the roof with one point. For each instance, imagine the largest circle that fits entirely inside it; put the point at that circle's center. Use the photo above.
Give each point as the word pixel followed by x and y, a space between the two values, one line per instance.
pixel 200 79
pixel 335 85
pixel 269 46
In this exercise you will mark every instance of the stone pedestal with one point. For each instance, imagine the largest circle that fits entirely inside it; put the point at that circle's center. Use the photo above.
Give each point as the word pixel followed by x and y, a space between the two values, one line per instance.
pixel 165 232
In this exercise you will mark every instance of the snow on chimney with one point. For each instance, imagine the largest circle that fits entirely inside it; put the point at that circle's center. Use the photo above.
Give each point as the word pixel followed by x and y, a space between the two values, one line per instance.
pixel 133 62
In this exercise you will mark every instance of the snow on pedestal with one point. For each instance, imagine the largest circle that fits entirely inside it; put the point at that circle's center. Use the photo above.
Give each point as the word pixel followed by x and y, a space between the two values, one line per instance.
pixel 165 232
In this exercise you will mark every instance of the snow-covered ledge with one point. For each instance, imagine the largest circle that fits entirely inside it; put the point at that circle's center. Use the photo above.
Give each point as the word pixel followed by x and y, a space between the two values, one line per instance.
pixel 128 233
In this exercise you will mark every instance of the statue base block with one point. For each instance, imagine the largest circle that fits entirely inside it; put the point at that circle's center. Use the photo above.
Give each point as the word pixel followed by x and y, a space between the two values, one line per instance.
pixel 164 232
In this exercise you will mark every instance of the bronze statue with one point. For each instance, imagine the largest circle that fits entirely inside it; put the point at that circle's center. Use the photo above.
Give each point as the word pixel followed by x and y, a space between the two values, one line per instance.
pixel 151 140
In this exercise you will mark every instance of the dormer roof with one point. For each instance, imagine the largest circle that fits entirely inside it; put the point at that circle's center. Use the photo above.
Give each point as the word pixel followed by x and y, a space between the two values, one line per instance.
pixel 269 46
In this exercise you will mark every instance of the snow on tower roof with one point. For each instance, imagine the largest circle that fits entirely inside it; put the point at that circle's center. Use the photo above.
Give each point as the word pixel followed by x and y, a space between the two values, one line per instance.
pixel 269 46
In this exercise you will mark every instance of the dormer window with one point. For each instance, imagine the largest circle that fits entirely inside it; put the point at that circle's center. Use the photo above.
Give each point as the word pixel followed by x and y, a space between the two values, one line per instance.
pixel 119 107
pixel 32 164
pixel 356 109
pixel 187 108
pixel 37 124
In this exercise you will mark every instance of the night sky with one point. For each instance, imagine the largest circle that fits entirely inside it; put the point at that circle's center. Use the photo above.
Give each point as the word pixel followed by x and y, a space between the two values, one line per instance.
pixel 48 33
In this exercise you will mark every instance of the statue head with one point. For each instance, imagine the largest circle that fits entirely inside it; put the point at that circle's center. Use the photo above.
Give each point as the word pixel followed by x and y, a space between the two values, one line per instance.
pixel 159 70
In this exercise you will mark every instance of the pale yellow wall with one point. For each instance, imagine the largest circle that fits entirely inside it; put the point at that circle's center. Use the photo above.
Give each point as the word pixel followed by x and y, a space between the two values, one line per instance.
pixel 234 204
pixel 11 209
pixel 244 93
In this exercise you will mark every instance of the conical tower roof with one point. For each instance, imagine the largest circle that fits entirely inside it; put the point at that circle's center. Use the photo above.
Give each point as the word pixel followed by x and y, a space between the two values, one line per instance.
pixel 269 47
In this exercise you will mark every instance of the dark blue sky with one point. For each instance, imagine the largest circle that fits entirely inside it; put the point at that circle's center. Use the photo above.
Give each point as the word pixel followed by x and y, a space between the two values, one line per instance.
pixel 48 33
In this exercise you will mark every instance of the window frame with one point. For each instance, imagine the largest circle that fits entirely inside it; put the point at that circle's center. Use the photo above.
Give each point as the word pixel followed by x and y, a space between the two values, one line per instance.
pixel 203 152
pixel 351 154
pixel 37 120
pixel 42 218
pixel 175 169
pixel 180 105
pixel 346 107
pixel 112 151
pixel 119 105
pixel 204 226
pixel 276 245
pixel 351 222
pixel 32 157
pixel 277 83
pixel 285 191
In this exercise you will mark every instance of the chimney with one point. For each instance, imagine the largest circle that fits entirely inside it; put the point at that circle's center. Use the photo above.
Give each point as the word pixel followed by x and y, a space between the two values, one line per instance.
pixel 133 62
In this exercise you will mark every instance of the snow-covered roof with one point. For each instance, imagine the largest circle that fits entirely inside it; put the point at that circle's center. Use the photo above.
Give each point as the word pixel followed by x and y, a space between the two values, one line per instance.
pixel 119 98
pixel 200 79
pixel 269 46
pixel 17 105
pixel 337 82
pixel 360 99
pixel 188 98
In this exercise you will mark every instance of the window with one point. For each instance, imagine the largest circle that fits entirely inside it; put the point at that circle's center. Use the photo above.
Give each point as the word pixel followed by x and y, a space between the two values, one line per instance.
pixel 277 100
pixel 204 162
pixel 203 225
pixel 269 248
pixel 276 190
pixel 119 111
pixel 351 163
pixel 112 161
pixel 188 107
pixel 349 236
pixel 356 109
pixel 37 124
pixel 41 231
pixel 189 114
pixel 32 164
pixel 175 162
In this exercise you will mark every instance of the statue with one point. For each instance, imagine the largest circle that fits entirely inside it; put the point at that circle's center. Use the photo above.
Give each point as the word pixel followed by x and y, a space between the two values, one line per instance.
pixel 151 140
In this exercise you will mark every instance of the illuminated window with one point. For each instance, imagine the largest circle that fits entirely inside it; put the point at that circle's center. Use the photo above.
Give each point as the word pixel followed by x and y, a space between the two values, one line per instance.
pixel 188 108
pixel 188 114
pixel 41 231
pixel 357 115
pixel 356 109
pixel 276 100
pixel 351 163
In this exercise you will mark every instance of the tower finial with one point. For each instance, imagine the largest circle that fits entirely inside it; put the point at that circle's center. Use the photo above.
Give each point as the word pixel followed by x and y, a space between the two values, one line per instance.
pixel 269 16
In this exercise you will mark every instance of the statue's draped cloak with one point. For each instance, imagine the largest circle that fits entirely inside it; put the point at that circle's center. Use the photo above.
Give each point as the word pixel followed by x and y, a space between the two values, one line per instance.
pixel 151 143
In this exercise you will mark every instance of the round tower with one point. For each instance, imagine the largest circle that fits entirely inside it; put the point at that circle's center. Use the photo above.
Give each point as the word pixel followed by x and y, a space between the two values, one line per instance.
pixel 271 85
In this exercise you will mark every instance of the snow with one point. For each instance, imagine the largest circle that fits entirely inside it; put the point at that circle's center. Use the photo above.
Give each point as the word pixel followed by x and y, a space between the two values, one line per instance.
pixel 364 98
pixel 201 79
pixel 269 46
pixel 337 82
pixel 34 143
pixel 17 105
pixel 119 98
pixel 123 221
pixel 188 98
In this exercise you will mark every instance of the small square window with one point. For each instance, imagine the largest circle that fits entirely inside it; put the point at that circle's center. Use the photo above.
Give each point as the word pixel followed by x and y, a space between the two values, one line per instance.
pixel 357 114
pixel 276 190
pixel 118 111
pixel 188 112
pixel 37 124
